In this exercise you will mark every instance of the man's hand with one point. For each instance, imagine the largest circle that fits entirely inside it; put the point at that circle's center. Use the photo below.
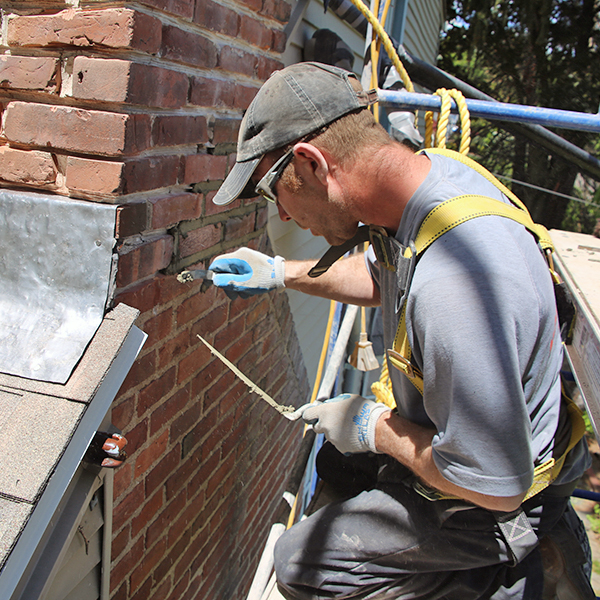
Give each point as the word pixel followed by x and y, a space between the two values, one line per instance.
pixel 348 421
pixel 247 272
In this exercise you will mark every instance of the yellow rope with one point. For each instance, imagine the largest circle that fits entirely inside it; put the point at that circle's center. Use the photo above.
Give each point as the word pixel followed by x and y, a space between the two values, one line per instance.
pixel 387 44
pixel 442 125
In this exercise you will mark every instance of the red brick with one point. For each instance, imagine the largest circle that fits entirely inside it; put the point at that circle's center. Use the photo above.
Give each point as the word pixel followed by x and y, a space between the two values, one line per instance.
pixel 144 260
pixel 94 177
pixel 151 454
pixel 204 167
pixel 158 327
pixel 123 81
pixel 178 478
pixel 188 47
pixel 150 173
pixel 173 348
pixel 237 227
pixel 76 130
pixel 237 61
pixel 111 27
pixel 168 409
pixel 185 519
pixel 225 131
pixel 172 209
pixel 279 42
pixel 180 589
pixel 125 509
pixel 182 8
pixel 141 370
pixel 195 306
pixel 162 592
pixel 179 129
pixel 121 568
pixel 206 91
pixel 192 363
pixel 256 33
pixel 28 167
pixel 244 96
pixel 28 73
pixel 210 208
pixel 136 436
pixel 164 468
pixel 141 593
pixel 201 239
pixel 219 18
pixel 123 479
pixel 278 9
pixel 146 516
pixel 156 391
pixel 131 219
pixel 211 321
pixel 266 66
pixel 159 527
pixel 120 542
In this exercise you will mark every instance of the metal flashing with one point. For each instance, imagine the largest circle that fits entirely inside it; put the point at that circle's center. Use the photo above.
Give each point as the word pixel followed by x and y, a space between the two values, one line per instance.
pixel 56 263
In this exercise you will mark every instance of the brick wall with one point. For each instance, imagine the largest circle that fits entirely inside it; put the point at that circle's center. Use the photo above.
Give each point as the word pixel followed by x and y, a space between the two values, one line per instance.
pixel 138 104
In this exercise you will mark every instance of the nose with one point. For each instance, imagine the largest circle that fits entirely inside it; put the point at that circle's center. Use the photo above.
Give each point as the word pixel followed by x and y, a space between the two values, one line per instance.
pixel 282 214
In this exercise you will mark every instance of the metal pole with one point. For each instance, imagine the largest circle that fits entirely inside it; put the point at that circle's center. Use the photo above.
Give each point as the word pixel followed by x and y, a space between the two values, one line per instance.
pixel 500 111
pixel 432 77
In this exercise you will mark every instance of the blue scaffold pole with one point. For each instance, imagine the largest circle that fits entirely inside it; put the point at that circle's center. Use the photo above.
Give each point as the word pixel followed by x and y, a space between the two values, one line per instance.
pixel 495 111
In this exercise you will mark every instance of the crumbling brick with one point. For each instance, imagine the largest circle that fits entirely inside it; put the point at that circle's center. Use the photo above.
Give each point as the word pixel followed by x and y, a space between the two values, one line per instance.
pixel 76 130
pixel 144 260
pixel 123 81
pixel 109 27
pixel 28 73
pixel 28 167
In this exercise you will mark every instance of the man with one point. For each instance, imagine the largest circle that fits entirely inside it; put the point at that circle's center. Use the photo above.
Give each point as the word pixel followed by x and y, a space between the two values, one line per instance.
pixel 443 514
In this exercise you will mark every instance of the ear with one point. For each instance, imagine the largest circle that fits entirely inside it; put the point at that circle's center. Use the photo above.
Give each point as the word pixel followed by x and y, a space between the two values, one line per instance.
pixel 310 161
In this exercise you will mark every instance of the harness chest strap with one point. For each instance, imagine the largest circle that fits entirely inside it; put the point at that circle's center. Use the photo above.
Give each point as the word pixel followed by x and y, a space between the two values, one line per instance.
pixel 443 218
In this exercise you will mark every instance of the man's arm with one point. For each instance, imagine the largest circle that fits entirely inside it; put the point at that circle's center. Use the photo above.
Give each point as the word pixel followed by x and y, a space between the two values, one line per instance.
pixel 410 444
pixel 347 280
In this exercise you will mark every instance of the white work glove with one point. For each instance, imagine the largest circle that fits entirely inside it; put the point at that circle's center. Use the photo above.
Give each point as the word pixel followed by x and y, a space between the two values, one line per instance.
pixel 247 272
pixel 348 421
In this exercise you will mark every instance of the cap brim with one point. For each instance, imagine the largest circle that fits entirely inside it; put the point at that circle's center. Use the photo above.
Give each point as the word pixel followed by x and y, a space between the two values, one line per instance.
pixel 236 181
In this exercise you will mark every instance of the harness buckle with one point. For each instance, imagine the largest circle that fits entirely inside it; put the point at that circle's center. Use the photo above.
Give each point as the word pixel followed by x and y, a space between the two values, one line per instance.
pixel 380 241
pixel 402 364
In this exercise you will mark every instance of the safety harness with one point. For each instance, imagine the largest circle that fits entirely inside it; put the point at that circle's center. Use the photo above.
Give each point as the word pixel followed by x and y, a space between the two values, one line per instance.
pixel 442 219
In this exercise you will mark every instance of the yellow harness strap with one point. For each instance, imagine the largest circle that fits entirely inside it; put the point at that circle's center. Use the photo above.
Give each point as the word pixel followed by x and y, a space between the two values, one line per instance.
pixel 441 219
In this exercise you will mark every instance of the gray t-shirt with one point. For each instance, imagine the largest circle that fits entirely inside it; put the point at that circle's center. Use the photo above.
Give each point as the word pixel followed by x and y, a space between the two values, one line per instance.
pixel 482 324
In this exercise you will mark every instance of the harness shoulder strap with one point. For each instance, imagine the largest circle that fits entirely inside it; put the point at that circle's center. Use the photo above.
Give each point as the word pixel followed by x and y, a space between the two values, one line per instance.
pixel 442 219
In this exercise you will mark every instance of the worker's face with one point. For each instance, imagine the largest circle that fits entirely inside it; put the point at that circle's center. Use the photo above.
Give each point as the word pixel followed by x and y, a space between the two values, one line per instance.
pixel 312 206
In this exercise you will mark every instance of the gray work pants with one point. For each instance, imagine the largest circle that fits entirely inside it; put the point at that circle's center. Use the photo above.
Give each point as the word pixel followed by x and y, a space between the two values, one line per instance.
pixel 392 543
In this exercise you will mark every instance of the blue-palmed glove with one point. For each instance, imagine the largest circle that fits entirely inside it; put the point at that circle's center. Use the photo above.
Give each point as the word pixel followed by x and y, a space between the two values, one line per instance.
pixel 247 272
pixel 348 421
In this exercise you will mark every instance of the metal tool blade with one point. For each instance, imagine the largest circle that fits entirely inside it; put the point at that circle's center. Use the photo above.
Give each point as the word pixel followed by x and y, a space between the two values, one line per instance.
pixel 287 411
pixel 187 276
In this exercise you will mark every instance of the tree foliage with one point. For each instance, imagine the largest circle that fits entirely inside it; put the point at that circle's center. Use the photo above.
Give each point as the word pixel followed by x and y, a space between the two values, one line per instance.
pixel 531 52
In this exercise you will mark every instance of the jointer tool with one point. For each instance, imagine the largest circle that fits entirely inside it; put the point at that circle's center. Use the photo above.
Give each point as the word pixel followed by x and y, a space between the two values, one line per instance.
pixel 289 412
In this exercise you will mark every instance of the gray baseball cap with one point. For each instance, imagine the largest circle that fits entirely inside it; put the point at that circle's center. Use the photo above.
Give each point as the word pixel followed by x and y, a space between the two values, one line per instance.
pixel 291 104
